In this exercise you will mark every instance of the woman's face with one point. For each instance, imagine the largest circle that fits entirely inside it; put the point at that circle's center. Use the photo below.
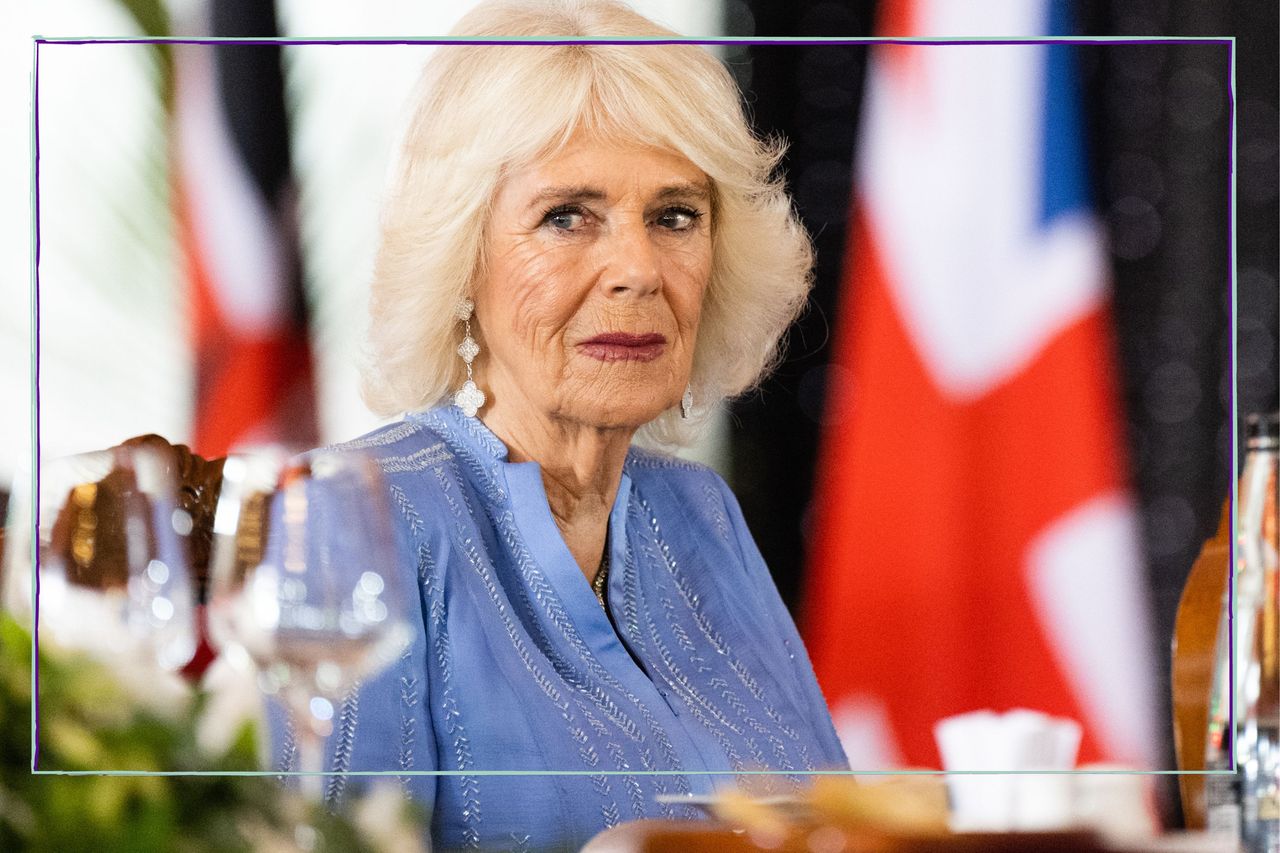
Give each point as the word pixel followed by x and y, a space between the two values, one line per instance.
pixel 598 259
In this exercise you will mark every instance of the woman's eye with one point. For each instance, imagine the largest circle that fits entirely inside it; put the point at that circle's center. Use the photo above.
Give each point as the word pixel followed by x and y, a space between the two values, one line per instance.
pixel 678 218
pixel 564 218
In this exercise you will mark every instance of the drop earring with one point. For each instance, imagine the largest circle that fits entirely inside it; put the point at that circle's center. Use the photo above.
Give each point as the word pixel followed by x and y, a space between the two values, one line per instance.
pixel 469 398
pixel 686 403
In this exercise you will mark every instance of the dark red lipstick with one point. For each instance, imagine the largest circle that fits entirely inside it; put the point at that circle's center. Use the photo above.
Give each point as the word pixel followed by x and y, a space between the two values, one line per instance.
pixel 623 346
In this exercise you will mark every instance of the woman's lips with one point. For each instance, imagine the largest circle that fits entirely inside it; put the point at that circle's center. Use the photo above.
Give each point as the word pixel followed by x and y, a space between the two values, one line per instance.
pixel 621 346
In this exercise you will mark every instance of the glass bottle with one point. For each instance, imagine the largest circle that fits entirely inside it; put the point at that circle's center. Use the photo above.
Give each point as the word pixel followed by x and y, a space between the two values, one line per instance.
pixel 1221 792
pixel 1258 738
pixel 1247 803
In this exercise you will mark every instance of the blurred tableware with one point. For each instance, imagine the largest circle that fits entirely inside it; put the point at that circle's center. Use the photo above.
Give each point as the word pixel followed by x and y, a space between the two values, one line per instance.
pixel 1117 804
pixel 909 805
pixel 1007 771
pixel 304 582
pixel 708 803
pixel 113 558
pixel 16 582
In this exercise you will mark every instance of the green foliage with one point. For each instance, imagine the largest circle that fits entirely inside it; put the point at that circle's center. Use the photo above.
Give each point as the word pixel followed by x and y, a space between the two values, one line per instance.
pixel 88 723
pixel 153 20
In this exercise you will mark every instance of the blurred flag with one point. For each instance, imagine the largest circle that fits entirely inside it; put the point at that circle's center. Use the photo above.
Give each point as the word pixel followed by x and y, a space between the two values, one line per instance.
pixel 235 211
pixel 976 545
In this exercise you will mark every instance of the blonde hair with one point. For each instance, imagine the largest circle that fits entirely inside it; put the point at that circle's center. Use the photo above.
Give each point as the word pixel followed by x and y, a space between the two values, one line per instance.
pixel 485 110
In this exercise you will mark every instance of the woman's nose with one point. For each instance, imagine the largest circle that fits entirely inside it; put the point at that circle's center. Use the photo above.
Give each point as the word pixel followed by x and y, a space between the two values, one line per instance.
pixel 632 262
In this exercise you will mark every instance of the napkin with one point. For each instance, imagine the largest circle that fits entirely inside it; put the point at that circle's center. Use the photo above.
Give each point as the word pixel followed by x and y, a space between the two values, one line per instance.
pixel 1006 756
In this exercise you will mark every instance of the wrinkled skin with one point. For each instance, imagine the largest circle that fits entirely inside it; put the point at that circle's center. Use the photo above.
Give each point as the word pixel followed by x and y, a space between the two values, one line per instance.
pixel 596 239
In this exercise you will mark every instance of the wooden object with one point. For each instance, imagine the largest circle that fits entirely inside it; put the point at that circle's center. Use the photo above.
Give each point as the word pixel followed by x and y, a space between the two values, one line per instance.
pixel 1195 632
pixel 199 482
pixel 98 560
pixel 656 836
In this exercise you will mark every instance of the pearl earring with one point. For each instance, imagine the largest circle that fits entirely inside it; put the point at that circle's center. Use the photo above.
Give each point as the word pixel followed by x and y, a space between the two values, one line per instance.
pixel 686 403
pixel 469 398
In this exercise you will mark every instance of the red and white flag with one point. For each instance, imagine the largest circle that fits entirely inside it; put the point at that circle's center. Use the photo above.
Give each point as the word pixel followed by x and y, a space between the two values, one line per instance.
pixel 233 193
pixel 976 543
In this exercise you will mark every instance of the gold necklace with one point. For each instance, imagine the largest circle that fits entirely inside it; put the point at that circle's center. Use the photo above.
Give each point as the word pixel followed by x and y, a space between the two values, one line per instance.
pixel 601 582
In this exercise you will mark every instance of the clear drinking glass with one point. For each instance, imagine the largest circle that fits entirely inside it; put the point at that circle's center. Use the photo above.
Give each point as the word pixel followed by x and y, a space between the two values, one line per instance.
pixel 304 580
pixel 113 558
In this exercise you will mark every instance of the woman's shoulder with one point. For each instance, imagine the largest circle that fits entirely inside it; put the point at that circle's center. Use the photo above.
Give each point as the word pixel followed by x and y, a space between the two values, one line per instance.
pixel 689 484
pixel 384 439
pixel 418 466
pixel 403 447
pixel 644 464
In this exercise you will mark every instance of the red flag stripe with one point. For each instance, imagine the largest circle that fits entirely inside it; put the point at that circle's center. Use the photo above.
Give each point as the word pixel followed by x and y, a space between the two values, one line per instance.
pixel 955 537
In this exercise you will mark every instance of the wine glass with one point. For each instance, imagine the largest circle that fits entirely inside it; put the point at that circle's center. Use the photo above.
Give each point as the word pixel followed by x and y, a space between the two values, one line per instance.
pixel 113 559
pixel 304 582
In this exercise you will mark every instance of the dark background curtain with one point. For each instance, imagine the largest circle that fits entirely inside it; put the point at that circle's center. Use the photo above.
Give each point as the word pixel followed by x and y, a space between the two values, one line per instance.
pixel 1158 118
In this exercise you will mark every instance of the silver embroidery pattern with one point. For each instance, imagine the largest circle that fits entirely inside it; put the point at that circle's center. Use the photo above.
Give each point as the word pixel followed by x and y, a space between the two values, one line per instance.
pixel 718 643
pixel 487 481
pixel 409 701
pixel 698 704
pixel 379 438
pixel 482 435
pixel 419 460
pixel 644 459
pixel 546 597
pixel 584 689
pixel 701 705
pixel 631 595
pixel 632 784
pixel 726 693
pixel 715 504
pixel 288 746
pixel 631 624
pixel 411 516
pixel 342 749
pixel 739 668
pixel 450 716
pixel 504 521
pixel 586 752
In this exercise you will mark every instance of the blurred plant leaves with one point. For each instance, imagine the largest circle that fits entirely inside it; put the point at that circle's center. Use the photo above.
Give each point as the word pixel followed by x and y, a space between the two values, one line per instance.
pixel 87 723
pixel 153 19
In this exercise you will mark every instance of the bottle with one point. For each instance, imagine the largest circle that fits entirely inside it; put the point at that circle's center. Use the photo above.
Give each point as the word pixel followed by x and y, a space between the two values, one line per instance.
pixel 1258 739
pixel 1221 792
pixel 1241 803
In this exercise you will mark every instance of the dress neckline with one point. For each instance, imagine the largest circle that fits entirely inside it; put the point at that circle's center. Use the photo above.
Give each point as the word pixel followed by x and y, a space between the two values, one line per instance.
pixel 521 491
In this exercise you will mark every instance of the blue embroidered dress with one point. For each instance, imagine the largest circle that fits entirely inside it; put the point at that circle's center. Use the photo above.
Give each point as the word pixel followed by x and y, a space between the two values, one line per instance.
pixel 518 668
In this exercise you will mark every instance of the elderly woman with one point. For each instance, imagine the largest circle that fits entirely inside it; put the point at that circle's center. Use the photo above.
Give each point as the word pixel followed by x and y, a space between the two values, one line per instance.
pixel 586 246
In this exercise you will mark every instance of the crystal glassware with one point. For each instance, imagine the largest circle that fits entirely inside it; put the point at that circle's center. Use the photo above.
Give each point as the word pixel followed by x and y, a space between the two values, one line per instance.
pixel 305 582
pixel 113 576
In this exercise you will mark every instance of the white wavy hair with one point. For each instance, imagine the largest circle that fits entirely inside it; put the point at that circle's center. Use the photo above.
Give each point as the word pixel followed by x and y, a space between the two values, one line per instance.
pixel 485 111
